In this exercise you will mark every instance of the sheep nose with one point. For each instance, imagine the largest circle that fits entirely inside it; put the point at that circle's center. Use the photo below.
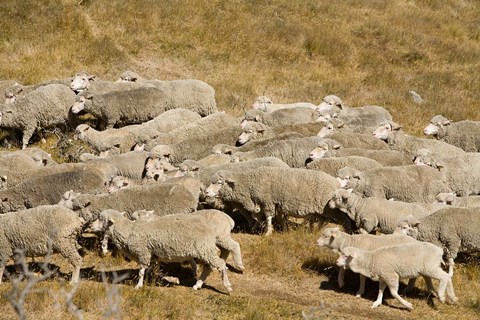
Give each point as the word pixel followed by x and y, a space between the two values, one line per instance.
pixel 156 177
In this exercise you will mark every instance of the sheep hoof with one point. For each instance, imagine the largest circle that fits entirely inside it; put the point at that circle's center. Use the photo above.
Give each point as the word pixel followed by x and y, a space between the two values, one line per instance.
pixel 358 295
pixel 452 300
pixel 376 304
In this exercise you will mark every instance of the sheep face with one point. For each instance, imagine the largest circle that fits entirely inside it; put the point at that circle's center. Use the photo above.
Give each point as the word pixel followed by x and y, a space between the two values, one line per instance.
pixel 349 177
pixel 319 152
pixel 327 130
pixel 340 199
pixel 431 129
pixel 437 124
pixel 81 131
pixel 446 198
pixel 118 183
pixel 261 103
pixel 330 104
pixel 79 104
pixel 81 81
pixel 68 198
pixel 384 131
pixel 327 237
pixel 10 97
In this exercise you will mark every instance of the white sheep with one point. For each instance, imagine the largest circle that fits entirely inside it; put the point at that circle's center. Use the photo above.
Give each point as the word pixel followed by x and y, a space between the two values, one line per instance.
pixel 44 107
pixel 332 165
pixel 411 183
pixel 372 213
pixel 282 117
pixel 451 199
pixel 269 192
pixel 255 130
pixel 388 264
pixel 173 238
pixel 266 104
pixel 463 134
pixel 453 228
pixel 39 231
pixel 348 139
pixel 337 240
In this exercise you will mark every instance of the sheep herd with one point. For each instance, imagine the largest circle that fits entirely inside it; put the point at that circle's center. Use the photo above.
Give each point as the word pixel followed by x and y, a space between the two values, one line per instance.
pixel 168 172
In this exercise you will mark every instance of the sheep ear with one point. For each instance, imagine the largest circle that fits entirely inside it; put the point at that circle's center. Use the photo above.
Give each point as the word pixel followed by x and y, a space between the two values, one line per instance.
pixel 257 118
pixel 230 181
pixel 445 123
pixel 340 124
pixel 4 199
pixel 357 175
pixel 395 126
pixel 336 146
pixel 439 165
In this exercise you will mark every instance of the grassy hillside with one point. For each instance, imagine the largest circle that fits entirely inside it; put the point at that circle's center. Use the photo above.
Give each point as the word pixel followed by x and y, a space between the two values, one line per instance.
pixel 367 52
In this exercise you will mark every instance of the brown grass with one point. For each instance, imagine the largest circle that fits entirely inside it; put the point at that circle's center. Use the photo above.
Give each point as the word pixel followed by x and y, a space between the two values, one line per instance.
pixel 367 52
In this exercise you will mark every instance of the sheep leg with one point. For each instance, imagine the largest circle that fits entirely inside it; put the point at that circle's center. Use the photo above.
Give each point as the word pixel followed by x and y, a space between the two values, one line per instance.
pixel 104 244
pixel 269 226
pixel 381 287
pixel 229 245
pixel 410 285
pixel 393 287
pixel 27 134
pixel 203 276
pixel 73 257
pixel 450 291
pixel 361 289
pixel 193 264
pixel 341 277
pixel 451 263
pixel 141 275
pixel 2 269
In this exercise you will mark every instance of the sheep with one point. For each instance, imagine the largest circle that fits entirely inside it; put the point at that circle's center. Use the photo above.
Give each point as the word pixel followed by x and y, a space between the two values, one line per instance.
pixel 192 94
pixel 257 130
pixel 453 228
pixel 172 119
pixel 372 213
pixel 282 117
pixel 463 134
pixel 384 157
pixel 367 116
pixel 332 165
pixel 197 146
pixel 403 183
pixel 388 264
pixel 269 192
pixel 44 107
pixel 254 144
pixel 130 164
pixel 351 139
pixel 172 238
pixel 450 198
pixel 393 136
pixel 266 104
pixel 462 172
pixel 162 198
pixel 40 231
pixel 47 185
pixel 337 240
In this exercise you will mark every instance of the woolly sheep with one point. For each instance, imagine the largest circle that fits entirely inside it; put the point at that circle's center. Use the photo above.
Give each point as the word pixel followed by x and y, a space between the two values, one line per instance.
pixel 282 117
pixel 173 238
pixel 294 152
pixel 172 119
pixel 403 183
pixel 40 231
pixel 192 94
pixel 337 240
pixel 391 134
pixel 332 165
pixel 453 228
pixel 463 134
pixel 462 172
pixel 130 164
pixel 450 198
pixel 162 198
pixel 367 116
pixel 44 107
pixel 372 213
pixel 266 104
pixel 388 264
pixel 257 130
pixel 384 157
pixel 47 185
pixel 254 144
pixel 269 192
pixel 351 139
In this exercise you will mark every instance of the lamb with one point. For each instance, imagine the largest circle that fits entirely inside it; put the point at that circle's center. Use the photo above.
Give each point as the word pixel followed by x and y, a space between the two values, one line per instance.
pixel 367 116
pixel 173 238
pixel 40 231
pixel 384 157
pixel 372 213
pixel 391 134
pixel 257 130
pixel 453 228
pixel 269 192
pixel 266 104
pixel 463 134
pixel 337 240
pixel 450 198
pixel 388 264
pixel 44 107
pixel 332 165
pixel 462 172
pixel 293 152
pixel 282 117
pixel 404 183
pixel 191 94
pixel 47 185
pixel 162 198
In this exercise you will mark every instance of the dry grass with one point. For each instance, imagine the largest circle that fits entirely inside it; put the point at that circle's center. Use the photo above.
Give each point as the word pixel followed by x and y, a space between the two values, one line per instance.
pixel 367 52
